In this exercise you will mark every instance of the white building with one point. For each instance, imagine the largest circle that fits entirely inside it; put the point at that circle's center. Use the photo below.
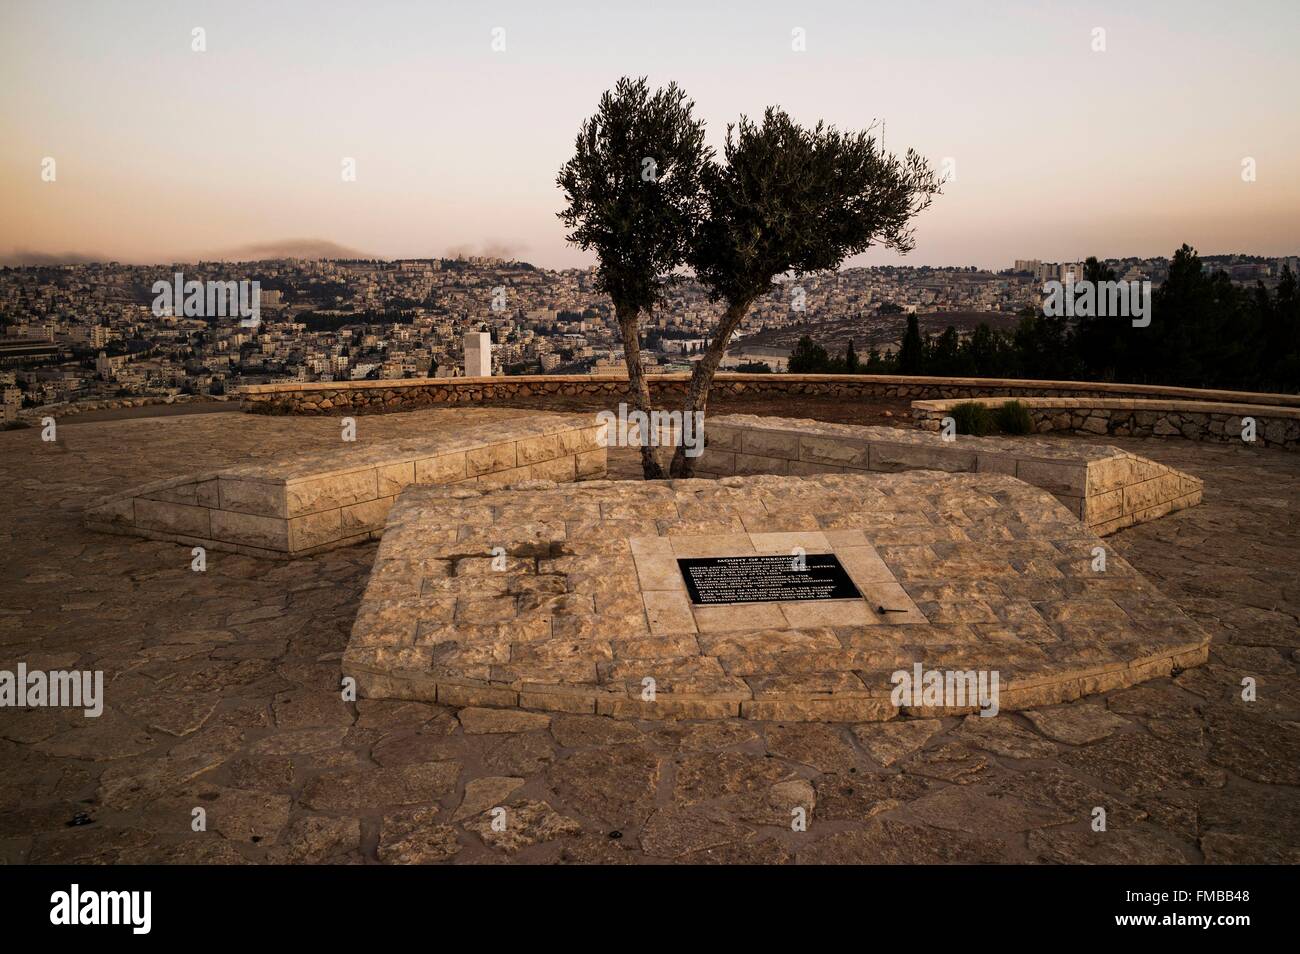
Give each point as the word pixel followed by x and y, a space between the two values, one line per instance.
pixel 478 354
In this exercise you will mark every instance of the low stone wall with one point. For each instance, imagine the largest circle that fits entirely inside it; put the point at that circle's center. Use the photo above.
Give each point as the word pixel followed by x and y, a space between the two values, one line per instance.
pixel 1221 422
pixel 67 408
pixel 1105 487
pixel 411 393
pixel 308 503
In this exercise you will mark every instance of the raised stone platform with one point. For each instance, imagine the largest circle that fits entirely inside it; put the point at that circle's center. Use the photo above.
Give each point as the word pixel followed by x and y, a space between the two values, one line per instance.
pixel 586 613
pixel 1105 487
pixel 306 503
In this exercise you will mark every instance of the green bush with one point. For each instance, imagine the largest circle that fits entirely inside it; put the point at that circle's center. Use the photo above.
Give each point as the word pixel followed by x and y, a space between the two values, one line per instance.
pixel 972 418
pixel 1014 418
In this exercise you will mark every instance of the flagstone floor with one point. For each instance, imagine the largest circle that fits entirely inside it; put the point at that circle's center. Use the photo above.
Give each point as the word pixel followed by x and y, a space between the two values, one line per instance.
pixel 222 694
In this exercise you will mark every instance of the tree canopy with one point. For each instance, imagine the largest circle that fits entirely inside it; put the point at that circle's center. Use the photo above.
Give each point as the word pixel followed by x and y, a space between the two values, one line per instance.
pixel 1204 332
pixel 632 189
pixel 793 199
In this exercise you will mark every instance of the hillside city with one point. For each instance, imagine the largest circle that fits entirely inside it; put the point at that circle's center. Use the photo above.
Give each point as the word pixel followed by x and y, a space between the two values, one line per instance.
pixel 89 332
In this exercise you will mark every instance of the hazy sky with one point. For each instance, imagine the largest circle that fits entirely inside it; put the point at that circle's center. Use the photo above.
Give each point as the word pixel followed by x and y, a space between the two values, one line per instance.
pixel 163 153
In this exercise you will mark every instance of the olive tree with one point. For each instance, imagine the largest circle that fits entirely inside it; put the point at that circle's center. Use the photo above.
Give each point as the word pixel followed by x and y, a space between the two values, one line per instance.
pixel 633 196
pixel 788 199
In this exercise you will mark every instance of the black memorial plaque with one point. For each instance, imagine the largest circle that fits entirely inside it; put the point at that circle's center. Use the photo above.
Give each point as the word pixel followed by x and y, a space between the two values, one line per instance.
pixel 766 579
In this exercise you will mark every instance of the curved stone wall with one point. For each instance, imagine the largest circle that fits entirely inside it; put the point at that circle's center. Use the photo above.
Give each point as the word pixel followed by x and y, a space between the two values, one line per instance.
pixel 410 393
pixel 1219 421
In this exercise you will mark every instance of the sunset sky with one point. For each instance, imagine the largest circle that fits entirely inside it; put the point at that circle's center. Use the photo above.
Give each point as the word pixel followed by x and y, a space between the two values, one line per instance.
pixel 167 154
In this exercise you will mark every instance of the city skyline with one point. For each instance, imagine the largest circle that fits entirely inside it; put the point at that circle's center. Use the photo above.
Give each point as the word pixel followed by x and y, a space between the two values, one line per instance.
pixel 166 154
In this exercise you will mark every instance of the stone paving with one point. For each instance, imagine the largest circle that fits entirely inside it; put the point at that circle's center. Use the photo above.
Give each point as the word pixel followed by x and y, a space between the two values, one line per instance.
pixel 222 693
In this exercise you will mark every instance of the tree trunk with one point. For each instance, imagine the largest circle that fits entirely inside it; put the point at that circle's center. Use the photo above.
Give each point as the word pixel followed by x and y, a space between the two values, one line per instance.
pixel 638 390
pixel 697 399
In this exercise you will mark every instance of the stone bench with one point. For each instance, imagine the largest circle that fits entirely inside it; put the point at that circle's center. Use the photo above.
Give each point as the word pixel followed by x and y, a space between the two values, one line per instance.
pixel 1105 487
pixel 1218 421
pixel 306 503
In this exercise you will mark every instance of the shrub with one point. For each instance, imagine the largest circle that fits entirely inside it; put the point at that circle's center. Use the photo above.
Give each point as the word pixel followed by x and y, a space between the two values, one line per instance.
pixel 1014 418
pixel 972 418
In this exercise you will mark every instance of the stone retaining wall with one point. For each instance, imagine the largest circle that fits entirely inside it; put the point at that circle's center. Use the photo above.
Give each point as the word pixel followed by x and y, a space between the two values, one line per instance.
pixel 411 393
pixel 1221 422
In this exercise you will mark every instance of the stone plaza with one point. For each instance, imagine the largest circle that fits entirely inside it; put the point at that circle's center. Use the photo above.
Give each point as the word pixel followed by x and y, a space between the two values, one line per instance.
pixel 523 687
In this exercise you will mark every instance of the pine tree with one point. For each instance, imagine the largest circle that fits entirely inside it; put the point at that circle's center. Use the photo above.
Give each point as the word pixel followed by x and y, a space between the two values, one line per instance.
pixel 850 359
pixel 911 356
pixel 808 357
